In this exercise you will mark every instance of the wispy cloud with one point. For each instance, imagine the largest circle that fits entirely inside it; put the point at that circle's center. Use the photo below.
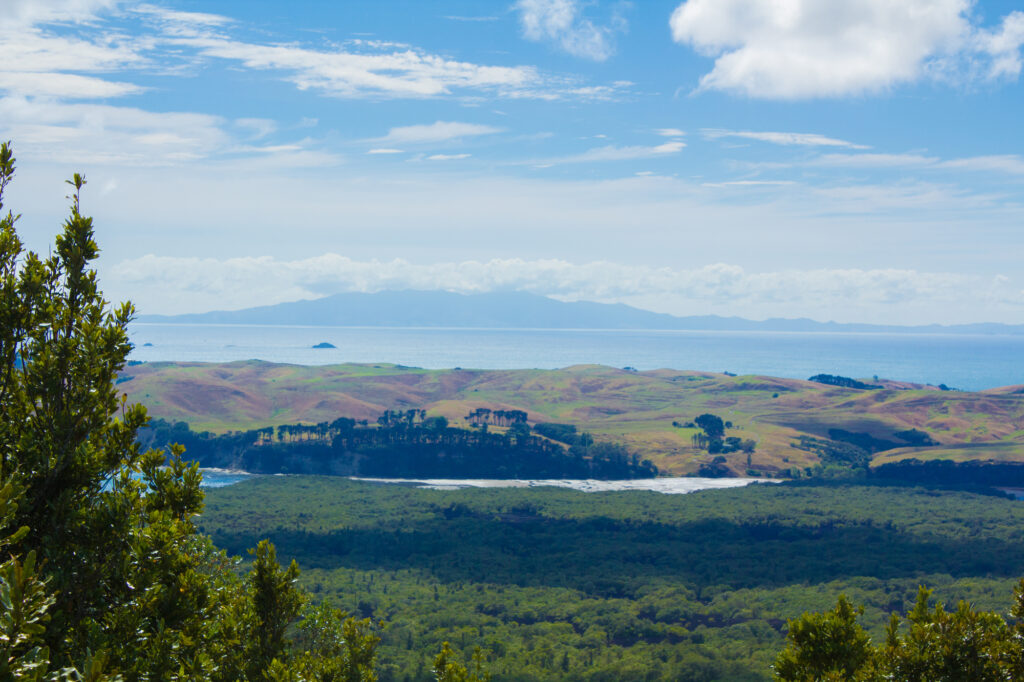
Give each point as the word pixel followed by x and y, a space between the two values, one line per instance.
pixel 64 85
pixel 616 153
pixel 385 150
pixel 788 139
pixel 34 62
pixel 100 134
pixel 471 19
pixel 1003 163
pixel 874 160
pixel 438 131
pixel 447 157
pixel 670 132
pixel 1012 164
pixel 750 183
pixel 29 12
pixel 178 20
pixel 398 73
pixel 562 23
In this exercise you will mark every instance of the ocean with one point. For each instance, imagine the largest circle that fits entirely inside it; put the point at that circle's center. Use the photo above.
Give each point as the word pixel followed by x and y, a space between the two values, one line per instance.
pixel 967 362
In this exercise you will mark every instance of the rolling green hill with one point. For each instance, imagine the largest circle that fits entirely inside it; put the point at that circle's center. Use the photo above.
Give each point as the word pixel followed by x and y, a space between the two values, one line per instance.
pixel 634 408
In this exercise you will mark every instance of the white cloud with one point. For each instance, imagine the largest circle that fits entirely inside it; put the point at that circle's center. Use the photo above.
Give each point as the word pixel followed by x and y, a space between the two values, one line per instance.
pixel 670 132
pixel 462 18
pixel 385 150
pixel 600 92
pixel 206 283
pixel 200 19
pixel 616 153
pixel 1004 46
pixel 401 73
pixel 874 160
pixel 1003 163
pixel 34 62
pixel 750 183
pixel 447 157
pixel 28 12
pixel 439 131
pixel 101 134
pixel 1000 163
pixel 561 22
pixel 799 139
pixel 63 85
pixel 791 49
pixel 260 127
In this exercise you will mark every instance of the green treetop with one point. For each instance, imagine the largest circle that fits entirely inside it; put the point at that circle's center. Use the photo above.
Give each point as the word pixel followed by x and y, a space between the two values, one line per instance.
pixel 107 577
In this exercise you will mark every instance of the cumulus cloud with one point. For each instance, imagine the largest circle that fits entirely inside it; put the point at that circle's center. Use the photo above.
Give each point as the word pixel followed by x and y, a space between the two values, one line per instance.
pixel 562 23
pixel 205 283
pixel 799 139
pixel 439 131
pixel 830 48
pixel 1004 46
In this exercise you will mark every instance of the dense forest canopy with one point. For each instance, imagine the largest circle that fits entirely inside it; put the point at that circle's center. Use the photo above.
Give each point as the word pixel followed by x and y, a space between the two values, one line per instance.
pixel 560 584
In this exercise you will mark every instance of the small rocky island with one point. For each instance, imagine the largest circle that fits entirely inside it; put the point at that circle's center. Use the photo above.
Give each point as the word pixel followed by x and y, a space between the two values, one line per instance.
pixel 324 344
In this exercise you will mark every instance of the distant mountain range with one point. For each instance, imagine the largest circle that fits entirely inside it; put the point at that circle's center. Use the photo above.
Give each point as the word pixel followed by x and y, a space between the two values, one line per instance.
pixel 521 311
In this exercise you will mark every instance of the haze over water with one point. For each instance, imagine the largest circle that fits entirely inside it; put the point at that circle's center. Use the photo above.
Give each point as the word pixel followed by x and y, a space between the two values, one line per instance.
pixel 968 362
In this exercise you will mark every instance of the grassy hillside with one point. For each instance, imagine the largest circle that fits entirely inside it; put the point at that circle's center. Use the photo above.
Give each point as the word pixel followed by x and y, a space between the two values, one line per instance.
pixel 635 408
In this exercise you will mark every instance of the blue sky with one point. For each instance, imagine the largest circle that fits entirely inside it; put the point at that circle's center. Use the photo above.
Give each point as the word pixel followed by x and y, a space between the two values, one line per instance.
pixel 855 160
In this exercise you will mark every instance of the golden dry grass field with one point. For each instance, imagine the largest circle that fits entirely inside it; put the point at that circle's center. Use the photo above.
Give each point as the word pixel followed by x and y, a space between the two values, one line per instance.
pixel 634 408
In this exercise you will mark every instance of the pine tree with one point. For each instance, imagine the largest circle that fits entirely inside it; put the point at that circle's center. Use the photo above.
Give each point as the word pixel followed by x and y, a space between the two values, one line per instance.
pixel 108 577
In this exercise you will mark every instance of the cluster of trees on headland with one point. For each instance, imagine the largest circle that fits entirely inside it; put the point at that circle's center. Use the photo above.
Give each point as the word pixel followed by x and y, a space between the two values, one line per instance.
pixel 406 444
pixel 845 382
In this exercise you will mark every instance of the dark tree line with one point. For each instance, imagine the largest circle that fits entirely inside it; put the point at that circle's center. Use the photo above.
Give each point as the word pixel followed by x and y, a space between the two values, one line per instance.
pixel 402 445
pixel 483 415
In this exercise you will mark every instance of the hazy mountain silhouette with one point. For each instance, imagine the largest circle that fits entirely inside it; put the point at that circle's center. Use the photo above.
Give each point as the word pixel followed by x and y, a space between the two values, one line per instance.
pixel 516 310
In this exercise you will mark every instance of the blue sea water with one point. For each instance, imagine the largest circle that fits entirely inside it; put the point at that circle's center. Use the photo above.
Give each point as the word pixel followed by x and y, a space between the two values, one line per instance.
pixel 968 362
